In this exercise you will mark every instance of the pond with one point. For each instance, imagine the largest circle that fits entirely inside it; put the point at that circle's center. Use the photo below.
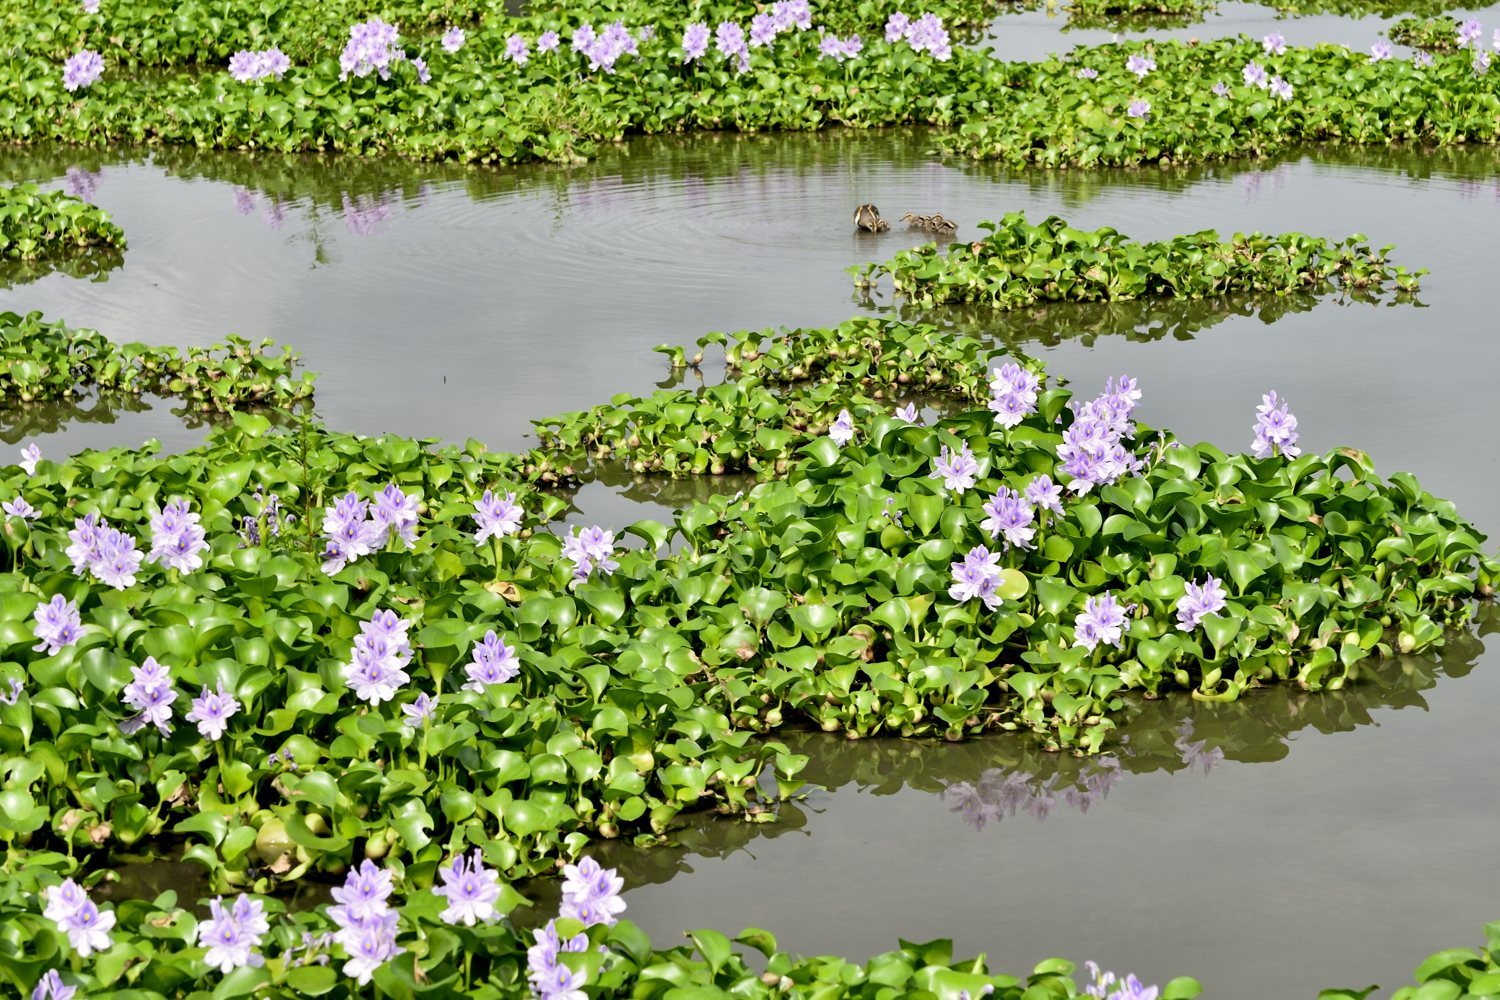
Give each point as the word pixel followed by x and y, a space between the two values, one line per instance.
pixel 1289 841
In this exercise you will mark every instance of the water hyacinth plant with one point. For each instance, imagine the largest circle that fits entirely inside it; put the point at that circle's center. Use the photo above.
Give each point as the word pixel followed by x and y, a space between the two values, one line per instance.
pixel 35 225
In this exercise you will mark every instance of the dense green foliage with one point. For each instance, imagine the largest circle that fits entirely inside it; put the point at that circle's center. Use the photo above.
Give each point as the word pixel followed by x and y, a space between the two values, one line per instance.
pixel 1450 974
pixel 36 224
pixel 1432 34
pixel 1019 264
pixel 44 361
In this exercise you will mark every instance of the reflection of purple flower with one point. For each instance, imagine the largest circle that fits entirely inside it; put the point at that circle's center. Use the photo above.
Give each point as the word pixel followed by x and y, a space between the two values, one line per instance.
pixel 365 215
pixel 81 183
pixel 1195 752
pixel 275 213
pixel 1000 794
pixel 244 200
pixel 82 70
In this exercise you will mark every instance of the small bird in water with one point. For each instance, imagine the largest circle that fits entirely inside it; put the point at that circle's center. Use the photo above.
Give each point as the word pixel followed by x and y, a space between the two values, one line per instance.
pixel 867 217
pixel 931 223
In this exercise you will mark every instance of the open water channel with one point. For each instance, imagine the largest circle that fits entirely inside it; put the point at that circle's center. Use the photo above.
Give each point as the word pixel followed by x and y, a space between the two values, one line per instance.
pixel 1272 847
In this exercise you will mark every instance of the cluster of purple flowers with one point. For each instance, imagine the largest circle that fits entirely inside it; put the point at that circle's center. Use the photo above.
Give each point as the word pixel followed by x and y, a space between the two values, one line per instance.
pixel 453 39
pixel 550 979
pixel 177 538
pixel 729 40
pixel 1013 392
pixel 496 517
pixel 909 414
pixel 1093 452
pixel 1380 50
pixel 1107 986
pixel 1138 108
pixel 1221 89
pixel 493 663
pixel 376 667
pixel 1140 65
pixel 151 694
pixel 366 923
pixel 106 552
pixel 1469 33
pixel 838 49
pixel 1102 620
pixel 353 527
pixel 604 49
pixel 842 429
pixel 212 710
pixel 977 575
pixel 90 6
pixel 1044 494
pixel 694 41
pixel 1087 73
pixel 1274 44
pixel 924 34
pixel 1275 428
pixel 86 926
pixel 372 47
pixel 58 625
pixel 233 936
pixel 247 66
pixel 1280 88
pixel 957 469
pixel 19 507
pixel 471 891
pixel 51 985
pixel 419 710
pixel 588 550
pixel 1481 62
pixel 1200 599
pixel 1010 516
pixel 591 894
pixel 82 69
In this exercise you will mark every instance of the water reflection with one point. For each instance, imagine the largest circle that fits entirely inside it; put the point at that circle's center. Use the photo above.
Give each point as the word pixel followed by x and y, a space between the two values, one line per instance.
pixel 93 265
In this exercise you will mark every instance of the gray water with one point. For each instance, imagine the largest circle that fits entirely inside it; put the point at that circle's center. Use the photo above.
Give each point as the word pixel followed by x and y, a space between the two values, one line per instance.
pixel 454 302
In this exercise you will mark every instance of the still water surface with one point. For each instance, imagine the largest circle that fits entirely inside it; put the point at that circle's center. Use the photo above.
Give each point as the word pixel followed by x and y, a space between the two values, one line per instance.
pixel 453 302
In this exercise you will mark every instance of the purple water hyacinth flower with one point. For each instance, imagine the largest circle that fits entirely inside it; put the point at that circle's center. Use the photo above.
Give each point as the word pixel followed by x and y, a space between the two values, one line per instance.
pixel 19 508
pixel 591 893
pixel 453 39
pixel 548 42
pixel 646 33
pixel 1421 60
pixel 372 47
pixel 896 27
pixel 588 550
pixel 1045 494
pixel 58 625
pixel 583 38
pixel 842 429
pixel 116 559
pixel 1087 73
pixel 232 942
pixel 549 978
pixel 1255 75
pixel 348 532
pixel 381 651
pixel 51 985
pixel 909 413
pixel 729 39
pixel 1275 429
pixel 62 901
pixel 30 456
pixel 1102 620
pixel 976 575
pixel 927 34
pixel 391 628
pixel 1481 63
pixel 694 42
pixel 493 662
pixel 419 711
pixel 1013 394
pixel 791 14
pixel 1469 32
pixel 212 710
pixel 88 929
pixel 763 30
pixel 1280 88
pixel 244 65
pixel 363 896
pixel 1140 65
pixel 471 890
pixel 369 945
pixel 1380 50
pixel 1221 89
pixel 90 6
pixel 274 63
pixel 82 70
pixel 81 183
pixel 957 469
pixel 1107 986
pixel 178 540
pixel 1207 598
pixel 424 75
pixel 1010 516
pixel 1274 44
pixel 516 51
pixel 16 689
pixel 496 516
pixel 150 693
pixel 394 515
pixel 1138 108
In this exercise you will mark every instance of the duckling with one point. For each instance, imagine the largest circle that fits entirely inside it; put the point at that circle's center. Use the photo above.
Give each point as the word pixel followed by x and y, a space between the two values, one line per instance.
pixel 917 221
pixel 867 217
pixel 942 226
